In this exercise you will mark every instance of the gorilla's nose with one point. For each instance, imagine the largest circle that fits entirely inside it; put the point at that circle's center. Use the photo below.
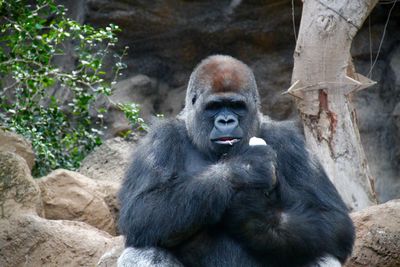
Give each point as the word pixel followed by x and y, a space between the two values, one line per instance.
pixel 226 123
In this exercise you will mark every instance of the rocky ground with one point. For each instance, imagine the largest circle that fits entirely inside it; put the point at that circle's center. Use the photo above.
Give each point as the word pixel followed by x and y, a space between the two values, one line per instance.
pixel 68 219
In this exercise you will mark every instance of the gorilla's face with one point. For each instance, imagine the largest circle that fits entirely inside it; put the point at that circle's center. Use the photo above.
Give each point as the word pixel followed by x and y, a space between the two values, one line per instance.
pixel 225 115
pixel 223 123
pixel 222 106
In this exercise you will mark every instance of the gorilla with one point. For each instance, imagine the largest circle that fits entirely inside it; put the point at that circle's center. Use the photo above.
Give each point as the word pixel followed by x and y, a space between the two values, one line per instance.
pixel 198 193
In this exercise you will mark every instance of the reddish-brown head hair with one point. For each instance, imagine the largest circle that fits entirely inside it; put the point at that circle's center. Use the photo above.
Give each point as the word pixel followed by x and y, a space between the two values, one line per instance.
pixel 225 74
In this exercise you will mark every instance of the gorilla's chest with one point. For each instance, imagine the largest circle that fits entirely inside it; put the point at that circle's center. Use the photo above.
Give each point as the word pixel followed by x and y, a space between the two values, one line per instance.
pixel 195 162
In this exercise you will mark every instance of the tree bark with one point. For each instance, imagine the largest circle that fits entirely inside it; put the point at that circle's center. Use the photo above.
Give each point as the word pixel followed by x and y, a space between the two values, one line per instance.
pixel 323 81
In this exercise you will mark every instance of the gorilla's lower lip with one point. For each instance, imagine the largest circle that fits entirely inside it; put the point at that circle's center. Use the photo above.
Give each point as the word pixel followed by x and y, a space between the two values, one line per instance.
pixel 226 141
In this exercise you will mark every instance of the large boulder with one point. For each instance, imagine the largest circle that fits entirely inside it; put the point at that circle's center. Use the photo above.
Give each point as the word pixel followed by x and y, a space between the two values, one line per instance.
pixel 378 236
pixel 14 143
pixel 136 89
pixel 109 161
pixel 18 190
pixel 27 239
pixel 68 195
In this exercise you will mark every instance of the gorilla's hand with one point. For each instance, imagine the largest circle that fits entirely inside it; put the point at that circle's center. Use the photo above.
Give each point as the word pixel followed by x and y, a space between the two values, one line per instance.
pixel 254 168
pixel 255 207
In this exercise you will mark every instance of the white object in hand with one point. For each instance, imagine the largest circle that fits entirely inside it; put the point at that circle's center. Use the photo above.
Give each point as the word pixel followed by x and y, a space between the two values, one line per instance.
pixel 255 141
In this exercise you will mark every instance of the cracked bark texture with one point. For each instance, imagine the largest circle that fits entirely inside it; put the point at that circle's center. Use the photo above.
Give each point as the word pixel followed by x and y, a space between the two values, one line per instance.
pixel 323 82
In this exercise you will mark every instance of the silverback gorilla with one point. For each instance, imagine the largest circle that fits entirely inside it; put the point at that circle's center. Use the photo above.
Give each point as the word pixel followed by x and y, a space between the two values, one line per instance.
pixel 197 194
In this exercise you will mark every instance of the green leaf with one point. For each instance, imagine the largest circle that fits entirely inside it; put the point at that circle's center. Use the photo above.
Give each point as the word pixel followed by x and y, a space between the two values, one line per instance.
pixel 30 49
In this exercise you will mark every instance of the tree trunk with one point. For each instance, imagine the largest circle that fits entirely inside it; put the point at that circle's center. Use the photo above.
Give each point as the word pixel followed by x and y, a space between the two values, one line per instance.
pixel 323 81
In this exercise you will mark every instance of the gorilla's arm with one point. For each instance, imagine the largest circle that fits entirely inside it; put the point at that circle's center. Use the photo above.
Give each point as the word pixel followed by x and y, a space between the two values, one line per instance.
pixel 303 217
pixel 161 204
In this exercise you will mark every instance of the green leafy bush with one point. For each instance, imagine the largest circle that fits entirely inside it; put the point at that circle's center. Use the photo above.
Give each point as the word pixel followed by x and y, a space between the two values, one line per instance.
pixel 33 40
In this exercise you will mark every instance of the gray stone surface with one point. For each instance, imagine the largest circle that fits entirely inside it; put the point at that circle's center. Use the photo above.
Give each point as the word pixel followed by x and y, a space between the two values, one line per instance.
pixel 68 195
pixel 109 161
pixel 15 143
pixel 28 239
pixel 377 238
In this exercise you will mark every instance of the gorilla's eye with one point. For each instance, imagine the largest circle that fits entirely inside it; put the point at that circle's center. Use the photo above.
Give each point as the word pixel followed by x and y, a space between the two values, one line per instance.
pixel 239 107
pixel 212 108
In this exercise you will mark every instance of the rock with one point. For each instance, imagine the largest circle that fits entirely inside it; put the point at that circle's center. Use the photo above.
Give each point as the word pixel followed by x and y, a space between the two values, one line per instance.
pixel 271 86
pixel 173 102
pixel 378 236
pixel 108 161
pixel 14 143
pixel 175 40
pixel 394 65
pixel 378 137
pixel 29 240
pixel 110 258
pixel 68 195
pixel 367 40
pixel 109 191
pixel 136 89
pixel 18 190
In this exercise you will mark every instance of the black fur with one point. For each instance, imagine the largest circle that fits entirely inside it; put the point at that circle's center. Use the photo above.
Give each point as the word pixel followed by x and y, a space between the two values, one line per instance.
pixel 300 221
pixel 246 206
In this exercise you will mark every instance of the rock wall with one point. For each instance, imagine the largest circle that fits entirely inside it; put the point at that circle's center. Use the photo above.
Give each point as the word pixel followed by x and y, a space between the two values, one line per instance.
pixel 168 38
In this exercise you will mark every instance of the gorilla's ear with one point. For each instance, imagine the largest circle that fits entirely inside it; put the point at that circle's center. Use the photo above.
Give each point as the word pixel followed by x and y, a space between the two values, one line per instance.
pixel 194 98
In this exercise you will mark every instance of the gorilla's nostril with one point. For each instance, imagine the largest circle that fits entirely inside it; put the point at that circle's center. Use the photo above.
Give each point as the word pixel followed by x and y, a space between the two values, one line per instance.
pixel 226 123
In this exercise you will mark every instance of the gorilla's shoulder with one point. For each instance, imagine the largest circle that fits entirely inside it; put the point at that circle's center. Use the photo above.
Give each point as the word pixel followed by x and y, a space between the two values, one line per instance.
pixel 166 134
pixel 281 133
pixel 165 129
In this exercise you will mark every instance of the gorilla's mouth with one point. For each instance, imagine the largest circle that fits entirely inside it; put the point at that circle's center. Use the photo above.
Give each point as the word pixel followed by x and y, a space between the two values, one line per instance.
pixel 226 141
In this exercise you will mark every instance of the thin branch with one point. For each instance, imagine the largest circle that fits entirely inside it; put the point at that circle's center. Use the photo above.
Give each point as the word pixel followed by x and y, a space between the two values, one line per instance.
pixel 383 37
pixel 294 23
